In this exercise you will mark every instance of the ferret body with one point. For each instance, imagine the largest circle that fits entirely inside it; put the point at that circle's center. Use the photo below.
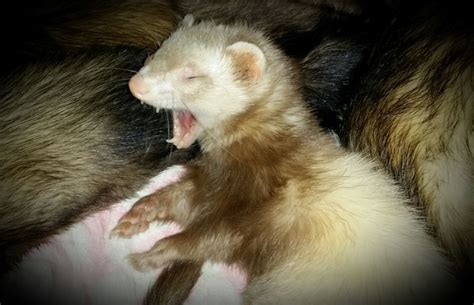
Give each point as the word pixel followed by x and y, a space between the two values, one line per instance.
pixel 309 222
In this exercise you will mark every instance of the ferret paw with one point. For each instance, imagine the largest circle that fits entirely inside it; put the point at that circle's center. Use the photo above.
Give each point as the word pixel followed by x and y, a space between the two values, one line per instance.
pixel 125 229
pixel 155 258
pixel 138 219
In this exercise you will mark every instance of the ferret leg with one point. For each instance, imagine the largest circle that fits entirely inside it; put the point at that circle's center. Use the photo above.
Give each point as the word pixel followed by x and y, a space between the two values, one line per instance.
pixel 168 204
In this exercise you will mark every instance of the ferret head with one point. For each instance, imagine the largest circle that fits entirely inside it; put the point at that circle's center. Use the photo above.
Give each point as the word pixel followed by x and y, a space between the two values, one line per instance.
pixel 205 73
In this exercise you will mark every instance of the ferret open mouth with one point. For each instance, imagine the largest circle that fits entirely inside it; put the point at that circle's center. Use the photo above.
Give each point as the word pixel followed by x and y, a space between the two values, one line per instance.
pixel 185 129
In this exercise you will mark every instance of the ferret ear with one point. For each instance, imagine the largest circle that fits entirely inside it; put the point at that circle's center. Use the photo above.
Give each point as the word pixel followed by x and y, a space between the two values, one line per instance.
pixel 188 20
pixel 248 60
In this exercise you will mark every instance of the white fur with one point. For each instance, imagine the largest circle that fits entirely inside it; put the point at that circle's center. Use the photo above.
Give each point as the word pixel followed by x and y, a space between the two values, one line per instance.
pixel 375 250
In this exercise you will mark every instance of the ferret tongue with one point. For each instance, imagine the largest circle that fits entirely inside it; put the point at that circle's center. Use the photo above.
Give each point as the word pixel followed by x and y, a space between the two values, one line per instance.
pixel 185 129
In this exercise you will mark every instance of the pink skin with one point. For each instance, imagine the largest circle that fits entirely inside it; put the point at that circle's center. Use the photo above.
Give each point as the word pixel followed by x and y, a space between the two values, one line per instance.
pixel 137 86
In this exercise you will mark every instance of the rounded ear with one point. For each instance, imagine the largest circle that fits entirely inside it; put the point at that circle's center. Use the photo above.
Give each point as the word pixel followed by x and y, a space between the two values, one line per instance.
pixel 188 20
pixel 248 60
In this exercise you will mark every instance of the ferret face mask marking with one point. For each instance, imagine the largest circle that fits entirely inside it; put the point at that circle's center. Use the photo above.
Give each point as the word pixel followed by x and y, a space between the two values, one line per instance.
pixel 192 89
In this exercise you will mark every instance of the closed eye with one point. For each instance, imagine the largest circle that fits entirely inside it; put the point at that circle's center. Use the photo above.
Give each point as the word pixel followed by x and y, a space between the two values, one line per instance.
pixel 194 77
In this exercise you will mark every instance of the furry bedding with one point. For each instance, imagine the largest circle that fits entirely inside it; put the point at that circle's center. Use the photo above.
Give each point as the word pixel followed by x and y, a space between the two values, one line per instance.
pixel 84 266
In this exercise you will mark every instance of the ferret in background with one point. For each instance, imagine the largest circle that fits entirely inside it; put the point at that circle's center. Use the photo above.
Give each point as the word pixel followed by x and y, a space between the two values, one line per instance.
pixel 72 142
pixel 309 222
pixel 414 111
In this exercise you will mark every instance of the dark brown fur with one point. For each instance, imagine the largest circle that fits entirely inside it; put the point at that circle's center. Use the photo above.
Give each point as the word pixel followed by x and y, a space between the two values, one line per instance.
pixel 174 284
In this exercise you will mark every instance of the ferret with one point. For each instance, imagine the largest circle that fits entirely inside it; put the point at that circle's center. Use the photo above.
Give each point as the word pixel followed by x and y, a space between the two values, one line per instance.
pixel 309 222
pixel 414 111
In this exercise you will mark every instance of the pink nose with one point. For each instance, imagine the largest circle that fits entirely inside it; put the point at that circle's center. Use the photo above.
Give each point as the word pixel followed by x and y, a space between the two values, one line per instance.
pixel 137 86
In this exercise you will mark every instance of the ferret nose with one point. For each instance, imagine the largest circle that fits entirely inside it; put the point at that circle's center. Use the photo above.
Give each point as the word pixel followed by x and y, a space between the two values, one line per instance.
pixel 137 86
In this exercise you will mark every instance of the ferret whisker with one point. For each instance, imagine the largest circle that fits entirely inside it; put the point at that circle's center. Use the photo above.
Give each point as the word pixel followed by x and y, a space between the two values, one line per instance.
pixel 169 133
pixel 222 87
pixel 120 82
pixel 151 137
pixel 217 143
pixel 118 69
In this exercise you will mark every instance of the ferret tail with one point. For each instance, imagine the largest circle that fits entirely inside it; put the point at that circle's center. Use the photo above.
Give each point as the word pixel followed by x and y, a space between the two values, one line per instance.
pixel 174 284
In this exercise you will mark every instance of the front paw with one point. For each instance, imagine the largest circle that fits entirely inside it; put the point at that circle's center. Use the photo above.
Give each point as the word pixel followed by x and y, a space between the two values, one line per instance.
pixel 126 229
pixel 138 219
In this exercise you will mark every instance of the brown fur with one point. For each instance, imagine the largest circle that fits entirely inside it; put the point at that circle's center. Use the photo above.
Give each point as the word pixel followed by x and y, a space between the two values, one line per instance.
pixel 279 15
pixel 139 23
pixel 174 284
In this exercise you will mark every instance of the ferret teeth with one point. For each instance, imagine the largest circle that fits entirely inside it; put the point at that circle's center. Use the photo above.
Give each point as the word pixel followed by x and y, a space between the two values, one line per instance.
pixel 142 102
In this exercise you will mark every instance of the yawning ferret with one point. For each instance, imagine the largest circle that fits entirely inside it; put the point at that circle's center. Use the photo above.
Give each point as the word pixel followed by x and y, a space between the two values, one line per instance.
pixel 309 222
